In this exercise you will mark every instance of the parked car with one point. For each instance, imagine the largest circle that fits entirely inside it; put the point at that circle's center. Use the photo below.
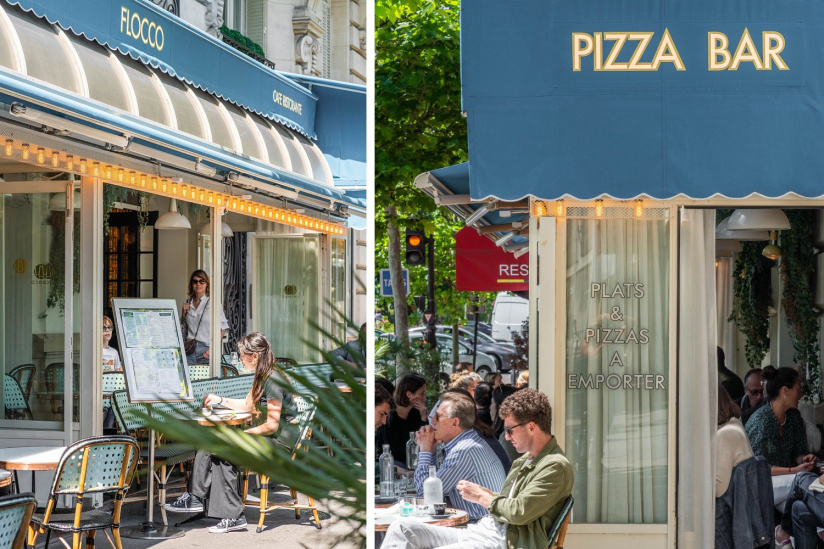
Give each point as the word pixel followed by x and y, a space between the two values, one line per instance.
pixel 483 327
pixel 484 364
pixel 499 351
pixel 508 315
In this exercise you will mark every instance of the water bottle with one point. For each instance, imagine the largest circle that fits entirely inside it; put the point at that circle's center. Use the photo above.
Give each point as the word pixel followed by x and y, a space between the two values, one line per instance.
pixel 387 466
pixel 440 453
pixel 412 452
pixel 432 489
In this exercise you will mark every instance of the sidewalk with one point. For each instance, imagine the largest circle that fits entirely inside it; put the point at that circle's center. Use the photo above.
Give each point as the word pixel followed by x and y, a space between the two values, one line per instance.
pixel 280 529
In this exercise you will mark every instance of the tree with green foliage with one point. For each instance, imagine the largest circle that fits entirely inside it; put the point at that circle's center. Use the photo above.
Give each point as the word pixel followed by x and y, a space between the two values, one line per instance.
pixel 419 127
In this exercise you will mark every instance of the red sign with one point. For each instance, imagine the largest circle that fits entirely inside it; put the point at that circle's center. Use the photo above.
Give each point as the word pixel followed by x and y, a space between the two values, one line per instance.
pixel 481 266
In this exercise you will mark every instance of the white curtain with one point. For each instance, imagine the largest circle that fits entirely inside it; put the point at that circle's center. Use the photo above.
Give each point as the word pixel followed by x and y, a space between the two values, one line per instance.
pixel 286 295
pixel 727 332
pixel 617 437
pixel 697 380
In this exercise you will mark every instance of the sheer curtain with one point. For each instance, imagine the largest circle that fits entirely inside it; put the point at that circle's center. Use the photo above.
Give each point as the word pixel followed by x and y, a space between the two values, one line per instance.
pixel 697 380
pixel 727 332
pixel 617 431
pixel 286 294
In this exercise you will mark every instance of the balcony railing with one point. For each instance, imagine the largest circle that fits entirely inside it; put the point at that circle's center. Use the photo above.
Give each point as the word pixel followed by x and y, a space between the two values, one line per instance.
pixel 251 53
pixel 172 6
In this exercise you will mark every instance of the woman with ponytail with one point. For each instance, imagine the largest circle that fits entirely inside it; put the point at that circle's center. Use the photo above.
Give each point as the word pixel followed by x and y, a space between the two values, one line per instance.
pixel 776 431
pixel 216 479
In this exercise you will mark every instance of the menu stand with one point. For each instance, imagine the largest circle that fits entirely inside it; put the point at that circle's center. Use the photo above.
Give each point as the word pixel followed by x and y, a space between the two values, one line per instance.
pixel 150 529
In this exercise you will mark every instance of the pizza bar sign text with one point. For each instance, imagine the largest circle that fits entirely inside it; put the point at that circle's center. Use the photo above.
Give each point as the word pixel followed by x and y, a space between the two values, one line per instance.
pixel 604 49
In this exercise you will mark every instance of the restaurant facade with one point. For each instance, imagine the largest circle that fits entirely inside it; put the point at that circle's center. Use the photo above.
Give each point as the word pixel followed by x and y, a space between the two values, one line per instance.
pixel 126 132
pixel 603 138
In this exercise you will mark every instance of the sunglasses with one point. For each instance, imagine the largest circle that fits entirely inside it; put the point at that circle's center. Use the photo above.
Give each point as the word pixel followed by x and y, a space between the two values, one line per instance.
pixel 198 281
pixel 108 328
pixel 508 430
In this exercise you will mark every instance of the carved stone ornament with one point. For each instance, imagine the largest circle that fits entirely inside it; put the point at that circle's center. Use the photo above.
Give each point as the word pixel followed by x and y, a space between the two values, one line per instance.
pixel 214 16
pixel 307 49
pixel 171 6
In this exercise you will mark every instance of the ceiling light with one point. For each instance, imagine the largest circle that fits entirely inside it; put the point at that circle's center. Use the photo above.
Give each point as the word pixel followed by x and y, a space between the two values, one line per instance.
pixel 172 219
pixel 763 219
pixel 722 232
pixel 63 124
pixel 58 203
pixel 771 250
pixel 225 230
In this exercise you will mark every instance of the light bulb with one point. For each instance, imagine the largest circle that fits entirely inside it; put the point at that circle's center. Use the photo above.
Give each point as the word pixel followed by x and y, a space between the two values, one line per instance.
pixel 211 197
pixel 84 165
pixel 120 174
pixel 132 178
pixel 8 149
pixel 70 162
pixel 143 180
pixel 639 208
pixel 599 208
pixel 96 169
pixel 24 152
pixel 154 183
pixel 109 170
pixel 41 155
pixel 559 208
pixel 55 159
pixel 202 195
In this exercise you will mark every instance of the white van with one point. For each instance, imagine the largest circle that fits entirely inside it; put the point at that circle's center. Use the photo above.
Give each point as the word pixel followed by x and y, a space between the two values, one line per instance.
pixel 508 315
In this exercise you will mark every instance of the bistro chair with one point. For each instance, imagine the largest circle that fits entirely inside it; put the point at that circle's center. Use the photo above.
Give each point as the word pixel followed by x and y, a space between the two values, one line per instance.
pixel 17 407
pixel 24 374
pixel 96 465
pixel 112 381
pixel 227 370
pixel 293 435
pixel 15 515
pixel 557 532
pixel 199 371
pixel 285 362
pixel 54 378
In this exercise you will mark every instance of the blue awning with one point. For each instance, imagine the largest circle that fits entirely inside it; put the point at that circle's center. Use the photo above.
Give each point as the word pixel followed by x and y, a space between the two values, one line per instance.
pixel 540 126
pixel 340 125
pixel 155 37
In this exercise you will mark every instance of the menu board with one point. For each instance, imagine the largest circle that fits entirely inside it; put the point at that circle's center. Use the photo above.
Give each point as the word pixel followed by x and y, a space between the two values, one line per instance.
pixel 151 344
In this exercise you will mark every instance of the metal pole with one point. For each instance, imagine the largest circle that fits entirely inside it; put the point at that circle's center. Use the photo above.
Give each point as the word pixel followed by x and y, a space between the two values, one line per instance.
pixel 430 241
pixel 475 341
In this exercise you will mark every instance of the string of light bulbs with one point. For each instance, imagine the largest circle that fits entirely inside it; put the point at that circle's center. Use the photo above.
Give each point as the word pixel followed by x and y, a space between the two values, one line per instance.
pixel 163 186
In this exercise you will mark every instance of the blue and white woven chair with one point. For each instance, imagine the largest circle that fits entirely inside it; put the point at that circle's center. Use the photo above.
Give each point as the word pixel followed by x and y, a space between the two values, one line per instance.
pixel 557 532
pixel 24 374
pixel 96 465
pixel 15 514
pixel 17 407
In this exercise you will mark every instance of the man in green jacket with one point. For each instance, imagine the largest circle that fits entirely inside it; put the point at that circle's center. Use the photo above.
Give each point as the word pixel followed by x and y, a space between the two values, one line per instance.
pixel 531 498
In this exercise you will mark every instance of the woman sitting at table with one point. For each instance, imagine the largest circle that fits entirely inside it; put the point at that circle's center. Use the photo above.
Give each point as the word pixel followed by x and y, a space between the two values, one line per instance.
pixel 776 431
pixel 216 479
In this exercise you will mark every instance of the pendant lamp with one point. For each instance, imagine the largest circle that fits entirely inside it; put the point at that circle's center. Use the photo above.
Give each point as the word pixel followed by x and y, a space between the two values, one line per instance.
pixel 763 219
pixel 225 230
pixel 172 219
pixel 723 232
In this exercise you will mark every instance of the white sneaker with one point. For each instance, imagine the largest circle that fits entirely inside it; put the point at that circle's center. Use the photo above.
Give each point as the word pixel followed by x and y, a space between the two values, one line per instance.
pixel 227 525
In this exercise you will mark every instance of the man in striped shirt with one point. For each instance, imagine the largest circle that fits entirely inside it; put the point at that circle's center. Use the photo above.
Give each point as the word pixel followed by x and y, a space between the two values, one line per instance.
pixel 468 457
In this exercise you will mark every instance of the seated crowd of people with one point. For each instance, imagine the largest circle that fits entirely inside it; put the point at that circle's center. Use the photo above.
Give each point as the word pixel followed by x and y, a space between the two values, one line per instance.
pixel 500 462
pixel 765 421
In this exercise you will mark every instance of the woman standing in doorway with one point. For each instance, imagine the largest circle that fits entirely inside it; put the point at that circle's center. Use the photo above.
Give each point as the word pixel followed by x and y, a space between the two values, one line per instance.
pixel 196 315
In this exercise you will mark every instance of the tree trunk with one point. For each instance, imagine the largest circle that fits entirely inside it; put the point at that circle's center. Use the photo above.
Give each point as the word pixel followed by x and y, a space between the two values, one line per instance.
pixel 398 290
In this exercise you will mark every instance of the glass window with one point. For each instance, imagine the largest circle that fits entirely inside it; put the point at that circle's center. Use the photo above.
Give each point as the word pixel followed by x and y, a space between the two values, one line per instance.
pixel 130 257
pixel 617 357
pixel 32 266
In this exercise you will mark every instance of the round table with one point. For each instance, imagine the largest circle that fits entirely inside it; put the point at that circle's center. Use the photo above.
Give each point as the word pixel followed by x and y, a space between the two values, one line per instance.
pixel 31 458
pixel 456 518
pixel 5 478
pixel 236 418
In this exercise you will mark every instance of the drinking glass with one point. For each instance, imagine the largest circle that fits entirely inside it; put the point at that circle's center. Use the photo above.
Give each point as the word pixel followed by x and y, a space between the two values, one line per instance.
pixel 407 509
pixel 233 359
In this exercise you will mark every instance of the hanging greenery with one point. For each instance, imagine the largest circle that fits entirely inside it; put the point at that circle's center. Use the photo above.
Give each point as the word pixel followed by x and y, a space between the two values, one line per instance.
pixel 798 278
pixel 751 300
pixel 116 193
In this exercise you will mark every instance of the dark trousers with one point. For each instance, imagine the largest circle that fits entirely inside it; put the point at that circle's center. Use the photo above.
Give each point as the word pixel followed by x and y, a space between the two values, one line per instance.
pixel 803 512
pixel 216 480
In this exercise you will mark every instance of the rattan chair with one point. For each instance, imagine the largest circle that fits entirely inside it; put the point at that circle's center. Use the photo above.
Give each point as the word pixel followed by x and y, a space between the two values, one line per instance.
pixel 557 533
pixel 24 374
pixel 305 407
pixel 15 515
pixel 96 465
pixel 17 407
pixel 54 378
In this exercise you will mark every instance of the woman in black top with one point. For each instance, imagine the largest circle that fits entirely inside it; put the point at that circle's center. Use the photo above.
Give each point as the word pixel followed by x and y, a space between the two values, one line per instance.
pixel 215 478
pixel 483 400
pixel 408 416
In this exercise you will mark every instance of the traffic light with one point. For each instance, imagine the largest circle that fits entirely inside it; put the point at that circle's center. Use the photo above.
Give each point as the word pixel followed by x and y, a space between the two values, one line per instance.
pixel 415 247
